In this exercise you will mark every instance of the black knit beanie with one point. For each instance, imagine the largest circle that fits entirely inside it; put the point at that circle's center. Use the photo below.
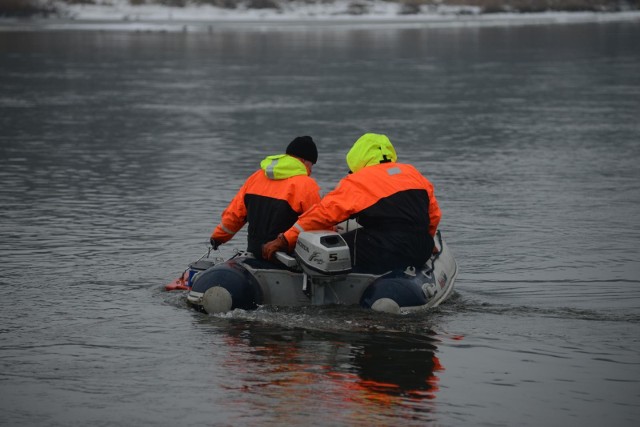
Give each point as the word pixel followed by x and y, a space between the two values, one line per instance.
pixel 303 147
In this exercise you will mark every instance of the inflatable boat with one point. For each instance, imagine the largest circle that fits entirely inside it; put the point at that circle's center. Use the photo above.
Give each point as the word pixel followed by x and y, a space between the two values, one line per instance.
pixel 318 273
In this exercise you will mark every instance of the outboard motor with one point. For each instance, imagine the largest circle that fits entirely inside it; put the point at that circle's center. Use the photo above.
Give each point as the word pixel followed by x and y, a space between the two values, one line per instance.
pixel 325 259
pixel 323 253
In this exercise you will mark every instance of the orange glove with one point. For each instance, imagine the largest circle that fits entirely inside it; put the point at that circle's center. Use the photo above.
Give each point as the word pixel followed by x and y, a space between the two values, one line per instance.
pixel 269 249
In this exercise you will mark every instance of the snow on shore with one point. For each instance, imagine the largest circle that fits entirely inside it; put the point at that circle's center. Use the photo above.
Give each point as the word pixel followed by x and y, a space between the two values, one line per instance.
pixel 338 9
pixel 120 14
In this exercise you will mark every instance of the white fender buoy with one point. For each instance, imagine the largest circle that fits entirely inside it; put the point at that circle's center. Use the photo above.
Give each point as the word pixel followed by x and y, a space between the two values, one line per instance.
pixel 386 305
pixel 217 300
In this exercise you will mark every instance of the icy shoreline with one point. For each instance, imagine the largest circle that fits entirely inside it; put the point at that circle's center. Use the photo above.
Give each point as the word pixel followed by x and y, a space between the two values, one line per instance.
pixel 122 16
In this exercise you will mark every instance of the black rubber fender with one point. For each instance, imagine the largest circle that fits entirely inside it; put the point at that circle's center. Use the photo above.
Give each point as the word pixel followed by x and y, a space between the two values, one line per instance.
pixel 245 291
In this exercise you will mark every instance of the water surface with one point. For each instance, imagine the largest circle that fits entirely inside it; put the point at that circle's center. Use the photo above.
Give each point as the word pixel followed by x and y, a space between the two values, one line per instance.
pixel 119 151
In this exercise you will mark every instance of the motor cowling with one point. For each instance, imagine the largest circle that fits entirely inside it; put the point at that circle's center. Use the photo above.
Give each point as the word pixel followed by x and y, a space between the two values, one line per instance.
pixel 323 253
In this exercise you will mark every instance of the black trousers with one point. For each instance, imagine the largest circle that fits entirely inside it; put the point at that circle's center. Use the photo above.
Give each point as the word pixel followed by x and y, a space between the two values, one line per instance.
pixel 378 251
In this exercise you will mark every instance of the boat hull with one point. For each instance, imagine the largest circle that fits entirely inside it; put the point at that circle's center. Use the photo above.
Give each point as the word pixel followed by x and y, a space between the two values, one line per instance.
pixel 244 282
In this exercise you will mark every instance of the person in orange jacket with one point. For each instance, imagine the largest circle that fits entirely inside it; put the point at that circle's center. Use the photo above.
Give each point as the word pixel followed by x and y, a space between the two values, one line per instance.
pixel 272 198
pixel 393 202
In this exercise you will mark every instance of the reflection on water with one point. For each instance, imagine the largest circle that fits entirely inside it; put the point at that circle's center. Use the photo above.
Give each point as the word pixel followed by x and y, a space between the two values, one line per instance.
pixel 369 375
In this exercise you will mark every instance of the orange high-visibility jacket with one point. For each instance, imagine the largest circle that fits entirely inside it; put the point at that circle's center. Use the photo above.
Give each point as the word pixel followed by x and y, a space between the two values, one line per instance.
pixel 387 196
pixel 270 200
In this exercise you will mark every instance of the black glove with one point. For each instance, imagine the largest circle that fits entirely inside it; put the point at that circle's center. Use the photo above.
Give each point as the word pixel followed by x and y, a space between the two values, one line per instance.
pixel 214 243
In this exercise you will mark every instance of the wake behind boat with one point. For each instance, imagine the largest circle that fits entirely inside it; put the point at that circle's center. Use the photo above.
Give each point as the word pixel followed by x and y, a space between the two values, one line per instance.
pixel 319 273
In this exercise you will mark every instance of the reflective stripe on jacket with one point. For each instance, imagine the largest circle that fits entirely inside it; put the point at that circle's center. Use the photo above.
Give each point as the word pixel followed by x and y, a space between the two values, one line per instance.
pixel 270 200
pixel 387 196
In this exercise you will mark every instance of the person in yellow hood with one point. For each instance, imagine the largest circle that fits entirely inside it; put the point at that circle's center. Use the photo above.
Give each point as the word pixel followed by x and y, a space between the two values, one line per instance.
pixel 393 202
pixel 272 198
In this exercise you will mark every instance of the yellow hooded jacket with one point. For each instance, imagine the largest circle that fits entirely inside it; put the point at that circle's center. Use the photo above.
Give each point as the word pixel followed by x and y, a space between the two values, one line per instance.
pixel 381 193
pixel 270 200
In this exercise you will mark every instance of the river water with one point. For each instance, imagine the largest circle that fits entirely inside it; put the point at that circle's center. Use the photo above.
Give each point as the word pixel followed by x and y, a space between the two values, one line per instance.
pixel 119 150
